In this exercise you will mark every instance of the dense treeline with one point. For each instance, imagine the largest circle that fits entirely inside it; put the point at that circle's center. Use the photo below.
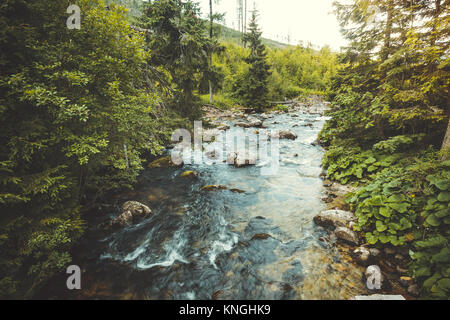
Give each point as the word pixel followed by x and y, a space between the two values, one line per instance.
pixel 390 112
pixel 293 71
pixel 77 117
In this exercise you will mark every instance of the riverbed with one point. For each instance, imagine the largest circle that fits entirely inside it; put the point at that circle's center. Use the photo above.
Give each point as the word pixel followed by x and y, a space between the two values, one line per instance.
pixel 253 239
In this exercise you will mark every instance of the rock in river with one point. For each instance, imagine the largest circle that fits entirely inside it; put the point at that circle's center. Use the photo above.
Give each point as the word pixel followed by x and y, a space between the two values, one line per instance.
pixel 284 134
pixel 346 234
pixel 213 187
pixel 362 255
pixel 241 159
pixel 334 218
pixel 406 281
pixel 189 174
pixel 130 211
pixel 164 162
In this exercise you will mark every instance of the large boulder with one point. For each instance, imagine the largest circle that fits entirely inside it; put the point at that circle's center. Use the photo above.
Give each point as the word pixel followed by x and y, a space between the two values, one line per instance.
pixel 346 234
pixel 164 162
pixel 241 159
pixel 334 218
pixel 254 122
pixel 223 127
pixel 131 210
pixel 284 134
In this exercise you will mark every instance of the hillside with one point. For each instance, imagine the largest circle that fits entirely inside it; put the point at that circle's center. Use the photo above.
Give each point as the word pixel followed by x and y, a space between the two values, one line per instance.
pixel 226 34
pixel 231 35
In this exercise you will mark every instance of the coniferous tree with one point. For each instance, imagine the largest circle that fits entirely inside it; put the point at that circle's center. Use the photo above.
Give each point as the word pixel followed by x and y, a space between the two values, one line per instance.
pixel 253 87
pixel 179 44
pixel 70 100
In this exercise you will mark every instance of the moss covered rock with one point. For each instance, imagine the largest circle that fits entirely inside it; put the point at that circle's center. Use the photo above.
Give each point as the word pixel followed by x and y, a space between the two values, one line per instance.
pixel 164 162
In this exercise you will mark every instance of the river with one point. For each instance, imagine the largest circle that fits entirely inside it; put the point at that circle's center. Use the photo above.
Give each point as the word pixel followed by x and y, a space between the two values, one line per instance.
pixel 257 241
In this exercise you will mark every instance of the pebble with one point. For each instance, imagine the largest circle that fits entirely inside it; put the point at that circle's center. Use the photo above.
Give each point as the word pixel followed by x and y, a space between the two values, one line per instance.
pixel 413 290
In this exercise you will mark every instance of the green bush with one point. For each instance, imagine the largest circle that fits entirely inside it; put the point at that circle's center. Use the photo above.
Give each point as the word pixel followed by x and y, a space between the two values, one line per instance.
pixel 408 204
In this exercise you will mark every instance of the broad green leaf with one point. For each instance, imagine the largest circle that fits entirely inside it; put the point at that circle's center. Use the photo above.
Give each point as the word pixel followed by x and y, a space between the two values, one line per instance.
pixel 385 211
pixel 399 207
pixel 396 198
pixel 432 220
pixel 380 226
pixel 442 185
pixel 444 196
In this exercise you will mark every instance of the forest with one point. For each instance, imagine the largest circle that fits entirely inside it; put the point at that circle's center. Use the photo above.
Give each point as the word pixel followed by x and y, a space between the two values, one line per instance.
pixel 84 111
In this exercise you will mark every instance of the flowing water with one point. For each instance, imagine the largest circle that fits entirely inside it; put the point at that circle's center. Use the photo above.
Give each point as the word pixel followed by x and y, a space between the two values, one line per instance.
pixel 256 242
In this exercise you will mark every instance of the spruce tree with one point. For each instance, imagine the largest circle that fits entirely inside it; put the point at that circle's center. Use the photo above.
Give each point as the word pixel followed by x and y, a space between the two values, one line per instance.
pixel 252 89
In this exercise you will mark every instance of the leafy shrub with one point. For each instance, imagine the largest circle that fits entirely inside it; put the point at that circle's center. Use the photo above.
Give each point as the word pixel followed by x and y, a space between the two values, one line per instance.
pixel 347 164
pixel 409 204
pixel 398 143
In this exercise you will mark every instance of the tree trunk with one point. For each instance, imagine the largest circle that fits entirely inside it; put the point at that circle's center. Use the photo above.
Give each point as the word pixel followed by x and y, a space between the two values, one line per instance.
pixel 210 54
pixel 210 92
pixel 210 19
pixel 387 31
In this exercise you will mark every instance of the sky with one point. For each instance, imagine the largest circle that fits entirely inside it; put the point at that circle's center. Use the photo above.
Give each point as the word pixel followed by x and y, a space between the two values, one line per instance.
pixel 304 20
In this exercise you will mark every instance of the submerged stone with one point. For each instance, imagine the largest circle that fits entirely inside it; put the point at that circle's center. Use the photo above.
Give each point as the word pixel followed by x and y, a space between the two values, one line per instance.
pixel 213 187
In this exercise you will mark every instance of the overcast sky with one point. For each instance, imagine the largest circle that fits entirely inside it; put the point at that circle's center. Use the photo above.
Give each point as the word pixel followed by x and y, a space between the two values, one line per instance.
pixel 305 20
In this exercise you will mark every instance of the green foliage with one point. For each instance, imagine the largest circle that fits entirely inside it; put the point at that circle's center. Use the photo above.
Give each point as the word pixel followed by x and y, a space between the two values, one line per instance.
pixel 179 44
pixel 398 143
pixel 70 101
pixel 281 107
pixel 251 88
pixel 389 115
pixel 408 204
pixel 346 163
pixel 296 69
pixel 220 101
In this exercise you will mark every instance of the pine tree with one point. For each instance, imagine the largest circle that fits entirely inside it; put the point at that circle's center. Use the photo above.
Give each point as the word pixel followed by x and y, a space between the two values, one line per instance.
pixel 180 45
pixel 253 88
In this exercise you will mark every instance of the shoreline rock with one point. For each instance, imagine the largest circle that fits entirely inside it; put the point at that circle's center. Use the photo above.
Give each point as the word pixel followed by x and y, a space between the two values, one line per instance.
pixel 347 235
pixel 334 218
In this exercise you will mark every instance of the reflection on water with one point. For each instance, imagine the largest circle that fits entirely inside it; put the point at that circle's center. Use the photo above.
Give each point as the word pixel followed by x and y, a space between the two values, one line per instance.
pixel 259 244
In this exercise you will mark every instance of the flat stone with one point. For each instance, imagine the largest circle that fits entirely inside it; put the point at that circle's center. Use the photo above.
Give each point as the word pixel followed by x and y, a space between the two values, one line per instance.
pixel 334 218
pixel 346 234
pixel 213 187
pixel 164 162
